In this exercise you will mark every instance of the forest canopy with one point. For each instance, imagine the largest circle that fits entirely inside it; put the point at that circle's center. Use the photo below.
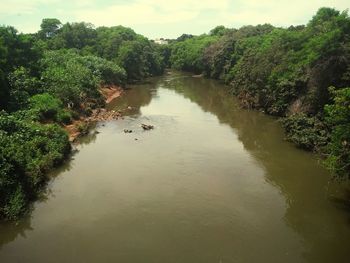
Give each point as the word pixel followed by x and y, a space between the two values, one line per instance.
pixel 47 79
pixel 300 73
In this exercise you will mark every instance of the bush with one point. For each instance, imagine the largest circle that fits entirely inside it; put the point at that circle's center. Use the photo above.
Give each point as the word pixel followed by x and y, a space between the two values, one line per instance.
pixel 28 150
pixel 21 87
pixel 306 132
pixel 64 117
pixel 67 78
pixel 45 107
pixel 338 118
pixel 107 71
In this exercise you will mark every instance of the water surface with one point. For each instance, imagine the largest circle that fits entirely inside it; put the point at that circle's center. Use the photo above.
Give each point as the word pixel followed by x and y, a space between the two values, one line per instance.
pixel 211 183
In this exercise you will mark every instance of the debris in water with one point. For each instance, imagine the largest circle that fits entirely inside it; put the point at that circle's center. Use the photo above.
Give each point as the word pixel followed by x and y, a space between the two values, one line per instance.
pixel 127 131
pixel 147 127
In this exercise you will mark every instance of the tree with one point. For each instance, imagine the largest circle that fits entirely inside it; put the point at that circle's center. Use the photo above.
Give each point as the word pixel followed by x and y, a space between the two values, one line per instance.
pixel 188 54
pixel 184 37
pixel 16 50
pixel 22 86
pixel 49 27
pixel 131 59
pixel 218 31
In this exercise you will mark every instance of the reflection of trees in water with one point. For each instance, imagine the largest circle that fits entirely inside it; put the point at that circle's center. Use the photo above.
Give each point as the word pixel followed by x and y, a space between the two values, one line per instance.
pixel 136 97
pixel 54 174
pixel 10 230
pixel 304 184
pixel 87 138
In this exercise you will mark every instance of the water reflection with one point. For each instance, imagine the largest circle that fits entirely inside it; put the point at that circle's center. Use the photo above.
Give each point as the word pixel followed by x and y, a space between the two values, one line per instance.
pixel 9 231
pixel 188 191
pixel 135 98
pixel 307 187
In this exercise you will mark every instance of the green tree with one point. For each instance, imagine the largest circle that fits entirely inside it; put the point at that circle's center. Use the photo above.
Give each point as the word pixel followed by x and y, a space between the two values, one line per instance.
pixel 188 54
pixel 22 86
pixel 49 27
pixel 130 57
pixel 16 50
pixel 218 31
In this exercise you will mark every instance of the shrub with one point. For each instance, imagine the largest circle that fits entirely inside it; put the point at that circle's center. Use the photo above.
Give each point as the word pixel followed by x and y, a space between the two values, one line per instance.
pixel 338 118
pixel 45 107
pixel 306 132
pixel 27 151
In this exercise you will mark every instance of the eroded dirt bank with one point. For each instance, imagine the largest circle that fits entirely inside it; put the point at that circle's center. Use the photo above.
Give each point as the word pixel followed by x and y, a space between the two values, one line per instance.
pixel 81 126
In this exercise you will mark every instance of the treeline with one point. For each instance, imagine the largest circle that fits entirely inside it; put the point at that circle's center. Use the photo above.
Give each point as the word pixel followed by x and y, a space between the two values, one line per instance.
pixel 300 73
pixel 48 79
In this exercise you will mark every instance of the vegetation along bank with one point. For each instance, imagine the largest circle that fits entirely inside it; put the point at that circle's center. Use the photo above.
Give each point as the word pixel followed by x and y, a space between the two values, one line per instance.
pixel 300 73
pixel 51 79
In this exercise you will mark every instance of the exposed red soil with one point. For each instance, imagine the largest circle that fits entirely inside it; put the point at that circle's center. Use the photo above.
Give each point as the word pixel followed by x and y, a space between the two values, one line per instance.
pixel 109 93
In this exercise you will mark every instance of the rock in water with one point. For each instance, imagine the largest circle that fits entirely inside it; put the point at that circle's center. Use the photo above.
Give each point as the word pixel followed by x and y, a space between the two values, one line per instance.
pixel 147 127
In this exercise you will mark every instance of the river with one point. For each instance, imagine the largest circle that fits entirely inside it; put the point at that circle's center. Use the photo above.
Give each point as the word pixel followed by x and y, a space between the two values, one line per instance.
pixel 210 183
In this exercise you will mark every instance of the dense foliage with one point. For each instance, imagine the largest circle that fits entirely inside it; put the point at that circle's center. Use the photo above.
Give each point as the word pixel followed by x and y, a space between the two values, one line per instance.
pixel 75 79
pixel 338 119
pixel 187 55
pixel 27 151
pixel 136 54
pixel 285 72
pixel 47 79
pixel 52 76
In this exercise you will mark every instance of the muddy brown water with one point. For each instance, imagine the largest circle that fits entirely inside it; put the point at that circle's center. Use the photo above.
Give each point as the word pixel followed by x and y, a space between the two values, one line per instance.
pixel 210 183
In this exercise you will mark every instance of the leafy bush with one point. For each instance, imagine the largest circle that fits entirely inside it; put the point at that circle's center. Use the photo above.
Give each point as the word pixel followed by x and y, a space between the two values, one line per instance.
pixel 45 107
pixel 27 151
pixel 68 78
pixel 338 118
pixel 21 87
pixel 107 71
pixel 64 117
pixel 306 132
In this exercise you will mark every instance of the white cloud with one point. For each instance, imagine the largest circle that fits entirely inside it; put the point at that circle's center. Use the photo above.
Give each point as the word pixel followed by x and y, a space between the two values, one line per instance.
pixel 149 12
pixel 194 5
pixel 281 13
pixel 131 15
pixel 15 7
pixel 232 13
pixel 167 17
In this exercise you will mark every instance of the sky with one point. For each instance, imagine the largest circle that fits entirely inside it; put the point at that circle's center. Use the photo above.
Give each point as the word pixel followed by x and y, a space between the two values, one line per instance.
pixel 163 18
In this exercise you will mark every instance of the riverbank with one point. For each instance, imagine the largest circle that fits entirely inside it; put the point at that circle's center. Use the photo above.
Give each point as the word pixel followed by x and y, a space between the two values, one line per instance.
pixel 81 126
pixel 209 176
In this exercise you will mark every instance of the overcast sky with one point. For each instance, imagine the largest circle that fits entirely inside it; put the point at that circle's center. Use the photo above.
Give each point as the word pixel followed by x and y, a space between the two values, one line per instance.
pixel 163 18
